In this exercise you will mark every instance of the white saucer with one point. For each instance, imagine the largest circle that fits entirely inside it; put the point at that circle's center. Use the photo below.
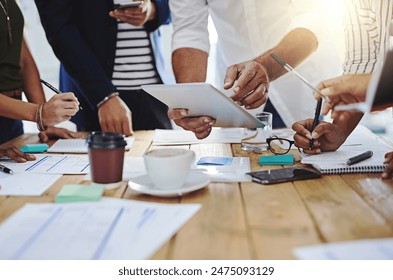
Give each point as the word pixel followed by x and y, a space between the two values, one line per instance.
pixel 143 184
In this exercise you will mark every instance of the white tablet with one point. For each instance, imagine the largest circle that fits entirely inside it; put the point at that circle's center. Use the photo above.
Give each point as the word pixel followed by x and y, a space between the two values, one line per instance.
pixel 202 99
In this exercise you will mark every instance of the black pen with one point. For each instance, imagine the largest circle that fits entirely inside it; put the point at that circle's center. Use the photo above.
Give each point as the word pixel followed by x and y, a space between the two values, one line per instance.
pixel 315 121
pixel 54 89
pixel 359 158
pixel 5 169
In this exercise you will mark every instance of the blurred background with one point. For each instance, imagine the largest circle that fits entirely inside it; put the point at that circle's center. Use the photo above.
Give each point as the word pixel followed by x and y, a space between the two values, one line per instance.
pixel 48 65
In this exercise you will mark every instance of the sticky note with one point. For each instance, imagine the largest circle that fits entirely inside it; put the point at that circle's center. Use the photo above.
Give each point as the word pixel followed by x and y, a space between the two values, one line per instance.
pixel 77 193
pixel 34 148
pixel 221 161
pixel 276 160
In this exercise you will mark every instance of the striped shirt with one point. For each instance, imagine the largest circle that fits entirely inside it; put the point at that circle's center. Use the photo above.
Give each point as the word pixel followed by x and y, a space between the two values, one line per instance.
pixel 134 62
pixel 367 25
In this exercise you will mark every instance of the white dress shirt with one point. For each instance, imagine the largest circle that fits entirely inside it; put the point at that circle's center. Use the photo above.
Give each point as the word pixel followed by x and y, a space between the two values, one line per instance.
pixel 248 28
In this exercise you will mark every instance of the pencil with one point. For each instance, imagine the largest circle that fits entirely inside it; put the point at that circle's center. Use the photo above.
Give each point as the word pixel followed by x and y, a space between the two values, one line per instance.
pixel 54 89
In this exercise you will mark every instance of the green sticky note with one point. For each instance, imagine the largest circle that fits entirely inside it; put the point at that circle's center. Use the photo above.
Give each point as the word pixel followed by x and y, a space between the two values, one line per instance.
pixel 276 160
pixel 77 193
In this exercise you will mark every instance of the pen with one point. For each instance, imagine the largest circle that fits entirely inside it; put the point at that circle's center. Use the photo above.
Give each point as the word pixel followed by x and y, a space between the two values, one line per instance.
pixel 54 89
pixel 319 104
pixel 359 158
pixel 5 169
pixel 304 80
pixel 315 121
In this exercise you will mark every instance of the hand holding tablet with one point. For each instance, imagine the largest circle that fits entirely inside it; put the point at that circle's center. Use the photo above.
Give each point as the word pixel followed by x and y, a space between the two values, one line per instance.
pixel 202 99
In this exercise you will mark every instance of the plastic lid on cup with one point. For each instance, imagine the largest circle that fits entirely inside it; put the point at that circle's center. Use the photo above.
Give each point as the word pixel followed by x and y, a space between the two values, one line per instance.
pixel 105 140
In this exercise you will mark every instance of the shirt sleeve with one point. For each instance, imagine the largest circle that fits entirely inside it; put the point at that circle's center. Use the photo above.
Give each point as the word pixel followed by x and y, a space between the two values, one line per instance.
pixel 308 14
pixel 190 24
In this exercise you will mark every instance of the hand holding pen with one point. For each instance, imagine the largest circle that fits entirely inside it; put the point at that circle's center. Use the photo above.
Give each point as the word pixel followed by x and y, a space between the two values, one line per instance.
pixel 55 90
pixel 304 80
pixel 315 121
pixel 60 108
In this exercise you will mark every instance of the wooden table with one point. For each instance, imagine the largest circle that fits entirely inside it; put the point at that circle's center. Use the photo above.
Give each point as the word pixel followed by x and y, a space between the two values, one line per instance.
pixel 252 221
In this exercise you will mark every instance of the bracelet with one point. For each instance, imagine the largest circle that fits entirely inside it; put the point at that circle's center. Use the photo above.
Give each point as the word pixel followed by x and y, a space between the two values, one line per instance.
pixel 39 119
pixel 113 94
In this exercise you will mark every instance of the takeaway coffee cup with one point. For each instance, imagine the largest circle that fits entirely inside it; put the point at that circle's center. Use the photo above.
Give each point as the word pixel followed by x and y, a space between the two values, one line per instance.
pixel 106 156
pixel 169 168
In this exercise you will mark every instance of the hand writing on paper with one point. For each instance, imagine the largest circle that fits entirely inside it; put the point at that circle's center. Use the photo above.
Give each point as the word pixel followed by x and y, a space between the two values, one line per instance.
pixel 250 83
pixel 201 125
pixel 327 136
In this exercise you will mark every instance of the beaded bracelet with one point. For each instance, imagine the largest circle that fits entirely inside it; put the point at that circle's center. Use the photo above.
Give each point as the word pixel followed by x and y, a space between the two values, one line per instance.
pixel 113 94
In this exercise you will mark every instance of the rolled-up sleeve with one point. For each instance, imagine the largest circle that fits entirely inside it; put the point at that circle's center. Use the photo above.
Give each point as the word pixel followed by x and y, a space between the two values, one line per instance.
pixel 190 24
pixel 309 14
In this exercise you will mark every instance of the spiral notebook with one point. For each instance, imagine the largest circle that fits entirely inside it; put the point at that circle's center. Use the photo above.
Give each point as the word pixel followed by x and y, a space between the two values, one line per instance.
pixel 360 141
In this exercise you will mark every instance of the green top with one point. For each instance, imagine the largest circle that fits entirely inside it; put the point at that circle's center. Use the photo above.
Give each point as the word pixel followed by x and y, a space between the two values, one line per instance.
pixel 10 54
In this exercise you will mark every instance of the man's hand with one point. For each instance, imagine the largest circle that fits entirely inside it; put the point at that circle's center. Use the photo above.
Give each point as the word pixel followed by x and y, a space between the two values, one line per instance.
pixel 59 133
pixel 327 136
pixel 136 16
pixel 201 125
pixel 114 116
pixel 15 154
pixel 343 90
pixel 250 83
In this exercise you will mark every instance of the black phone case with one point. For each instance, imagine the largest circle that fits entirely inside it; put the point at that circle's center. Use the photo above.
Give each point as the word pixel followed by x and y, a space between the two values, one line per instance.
pixel 283 175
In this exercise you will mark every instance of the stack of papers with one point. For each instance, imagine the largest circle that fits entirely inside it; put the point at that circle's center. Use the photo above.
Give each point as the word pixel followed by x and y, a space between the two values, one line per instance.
pixel 110 229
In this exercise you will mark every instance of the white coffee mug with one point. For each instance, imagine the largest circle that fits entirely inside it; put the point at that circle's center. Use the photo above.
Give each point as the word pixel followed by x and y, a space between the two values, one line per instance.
pixel 169 168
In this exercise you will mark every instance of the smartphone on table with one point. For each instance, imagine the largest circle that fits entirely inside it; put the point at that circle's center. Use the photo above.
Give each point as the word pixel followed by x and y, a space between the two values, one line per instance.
pixel 129 4
pixel 283 175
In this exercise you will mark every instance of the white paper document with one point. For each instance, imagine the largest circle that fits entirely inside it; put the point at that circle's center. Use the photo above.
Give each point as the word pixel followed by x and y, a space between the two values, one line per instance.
pixel 218 135
pixel 52 164
pixel 370 249
pixel 110 229
pixel 78 146
pixel 184 137
pixel 235 172
pixel 23 184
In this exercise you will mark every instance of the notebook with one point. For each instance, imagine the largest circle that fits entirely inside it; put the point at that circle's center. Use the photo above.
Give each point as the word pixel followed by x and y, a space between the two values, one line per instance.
pixel 78 146
pixel 360 140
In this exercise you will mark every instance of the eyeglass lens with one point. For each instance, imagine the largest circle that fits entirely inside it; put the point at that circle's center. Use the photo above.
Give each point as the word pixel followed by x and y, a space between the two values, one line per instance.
pixel 279 146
